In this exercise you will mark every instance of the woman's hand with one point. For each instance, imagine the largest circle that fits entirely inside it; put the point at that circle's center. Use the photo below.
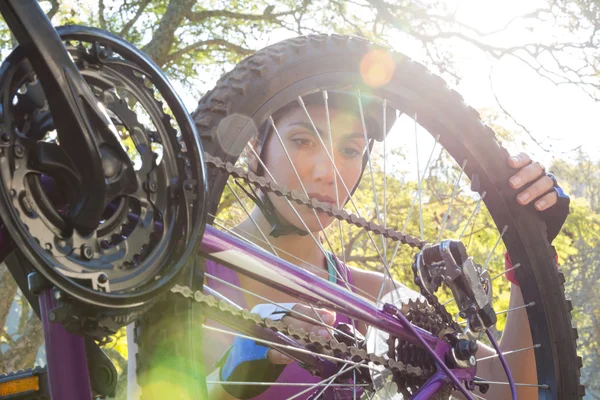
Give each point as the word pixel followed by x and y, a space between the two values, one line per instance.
pixel 540 190
pixel 300 319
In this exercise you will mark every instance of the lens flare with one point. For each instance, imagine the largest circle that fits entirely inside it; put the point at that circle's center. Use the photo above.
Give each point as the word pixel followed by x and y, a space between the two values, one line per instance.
pixel 377 68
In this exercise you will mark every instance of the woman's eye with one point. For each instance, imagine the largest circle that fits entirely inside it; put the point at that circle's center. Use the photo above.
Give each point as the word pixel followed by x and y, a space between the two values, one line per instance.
pixel 350 152
pixel 302 142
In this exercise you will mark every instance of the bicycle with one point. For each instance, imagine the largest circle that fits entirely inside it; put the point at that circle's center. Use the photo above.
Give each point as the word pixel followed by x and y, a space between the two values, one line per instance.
pixel 226 120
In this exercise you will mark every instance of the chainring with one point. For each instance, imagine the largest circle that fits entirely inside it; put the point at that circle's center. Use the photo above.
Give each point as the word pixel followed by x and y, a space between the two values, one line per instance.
pixel 132 249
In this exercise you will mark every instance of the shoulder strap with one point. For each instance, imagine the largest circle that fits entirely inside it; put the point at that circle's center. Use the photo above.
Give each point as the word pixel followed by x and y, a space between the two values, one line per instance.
pixel 335 264
pixel 331 267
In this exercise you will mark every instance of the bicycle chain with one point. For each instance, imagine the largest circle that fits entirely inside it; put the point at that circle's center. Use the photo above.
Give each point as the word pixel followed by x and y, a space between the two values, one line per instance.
pixel 410 364
pixel 267 184
pixel 418 312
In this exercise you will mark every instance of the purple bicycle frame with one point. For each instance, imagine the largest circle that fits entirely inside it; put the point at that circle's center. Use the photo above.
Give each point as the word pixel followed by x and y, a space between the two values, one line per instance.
pixel 66 357
pixel 275 272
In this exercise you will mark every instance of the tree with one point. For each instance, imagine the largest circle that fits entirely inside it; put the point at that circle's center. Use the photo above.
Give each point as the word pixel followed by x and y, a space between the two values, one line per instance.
pixel 578 247
pixel 185 36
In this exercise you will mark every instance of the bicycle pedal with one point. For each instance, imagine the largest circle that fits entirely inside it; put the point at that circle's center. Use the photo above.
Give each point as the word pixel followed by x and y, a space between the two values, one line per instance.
pixel 31 384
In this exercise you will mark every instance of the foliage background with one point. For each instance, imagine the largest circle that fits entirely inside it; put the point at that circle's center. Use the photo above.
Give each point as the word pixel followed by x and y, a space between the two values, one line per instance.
pixel 196 41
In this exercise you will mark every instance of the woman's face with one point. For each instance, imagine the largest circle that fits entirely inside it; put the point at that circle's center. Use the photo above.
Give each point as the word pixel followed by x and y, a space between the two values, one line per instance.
pixel 312 161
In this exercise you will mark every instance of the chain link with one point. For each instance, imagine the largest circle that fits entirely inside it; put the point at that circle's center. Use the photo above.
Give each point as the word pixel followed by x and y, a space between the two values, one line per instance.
pixel 267 184
pixel 331 347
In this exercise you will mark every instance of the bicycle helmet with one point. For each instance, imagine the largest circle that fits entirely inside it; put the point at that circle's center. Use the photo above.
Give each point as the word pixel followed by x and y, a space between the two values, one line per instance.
pixel 372 109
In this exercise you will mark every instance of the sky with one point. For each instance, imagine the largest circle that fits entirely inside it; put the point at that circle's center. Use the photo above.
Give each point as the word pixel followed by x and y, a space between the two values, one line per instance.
pixel 561 117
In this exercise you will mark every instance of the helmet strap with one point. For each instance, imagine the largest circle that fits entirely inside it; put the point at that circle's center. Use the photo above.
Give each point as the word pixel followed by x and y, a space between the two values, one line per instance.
pixel 264 204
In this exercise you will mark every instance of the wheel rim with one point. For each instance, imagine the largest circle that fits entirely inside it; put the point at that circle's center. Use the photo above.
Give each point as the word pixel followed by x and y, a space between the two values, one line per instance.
pixel 487 178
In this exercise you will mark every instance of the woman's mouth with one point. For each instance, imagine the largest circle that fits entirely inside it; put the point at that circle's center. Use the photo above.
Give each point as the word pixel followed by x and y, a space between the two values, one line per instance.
pixel 323 198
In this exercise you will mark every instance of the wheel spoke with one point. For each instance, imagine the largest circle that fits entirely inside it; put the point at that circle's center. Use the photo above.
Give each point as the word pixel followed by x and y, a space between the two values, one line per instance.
pixel 478 396
pixel 340 275
pixel 489 257
pixel 326 383
pixel 249 215
pixel 516 308
pixel 374 188
pixel 369 162
pixel 219 295
pixel 456 185
pixel 335 175
pixel 474 214
pixel 504 353
pixel 308 317
pixel 516 384
pixel 311 385
pixel 505 271
pixel 264 237
pixel 448 301
pixel 420 180
pixel 319 245
pixel 288 347
pixel 419 183
pixel 384 243
pixel 369 235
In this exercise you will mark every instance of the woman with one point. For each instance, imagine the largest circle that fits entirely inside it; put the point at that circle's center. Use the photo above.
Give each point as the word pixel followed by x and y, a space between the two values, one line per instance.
pixel 295 139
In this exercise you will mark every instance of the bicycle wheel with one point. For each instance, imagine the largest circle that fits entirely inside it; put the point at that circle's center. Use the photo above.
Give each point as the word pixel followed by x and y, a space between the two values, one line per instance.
pixel 466 169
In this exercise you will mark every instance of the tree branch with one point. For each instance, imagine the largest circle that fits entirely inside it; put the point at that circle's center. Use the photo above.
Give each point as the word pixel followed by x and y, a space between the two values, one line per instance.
pixel 200 16
pixel 25 307
pixel 8 289
pixel 54 9
pixel 135 18
pixel 207 43
pixel 101 19
pixel 8 338
pixel 22 353
pixel 162 40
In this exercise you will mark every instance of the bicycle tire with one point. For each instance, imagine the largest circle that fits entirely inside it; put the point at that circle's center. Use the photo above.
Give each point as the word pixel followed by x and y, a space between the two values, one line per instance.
pixel 279 73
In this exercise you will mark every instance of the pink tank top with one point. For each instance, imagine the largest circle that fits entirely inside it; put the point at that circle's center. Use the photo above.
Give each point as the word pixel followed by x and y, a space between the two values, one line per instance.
pixel 216 344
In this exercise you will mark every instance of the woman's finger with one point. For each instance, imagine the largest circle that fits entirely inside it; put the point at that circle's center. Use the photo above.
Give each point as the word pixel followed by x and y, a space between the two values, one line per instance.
pixel 546 201
pixel 539 187
pixel 304 317
pixel 519 161
pixel 306 313
pixel 527 174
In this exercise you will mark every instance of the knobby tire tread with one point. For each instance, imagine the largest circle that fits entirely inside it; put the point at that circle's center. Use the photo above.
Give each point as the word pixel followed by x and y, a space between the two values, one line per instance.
pixel 262 75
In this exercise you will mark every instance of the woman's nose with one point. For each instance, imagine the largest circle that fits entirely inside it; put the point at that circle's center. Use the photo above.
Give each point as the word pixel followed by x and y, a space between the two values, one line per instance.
pixel 323 169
